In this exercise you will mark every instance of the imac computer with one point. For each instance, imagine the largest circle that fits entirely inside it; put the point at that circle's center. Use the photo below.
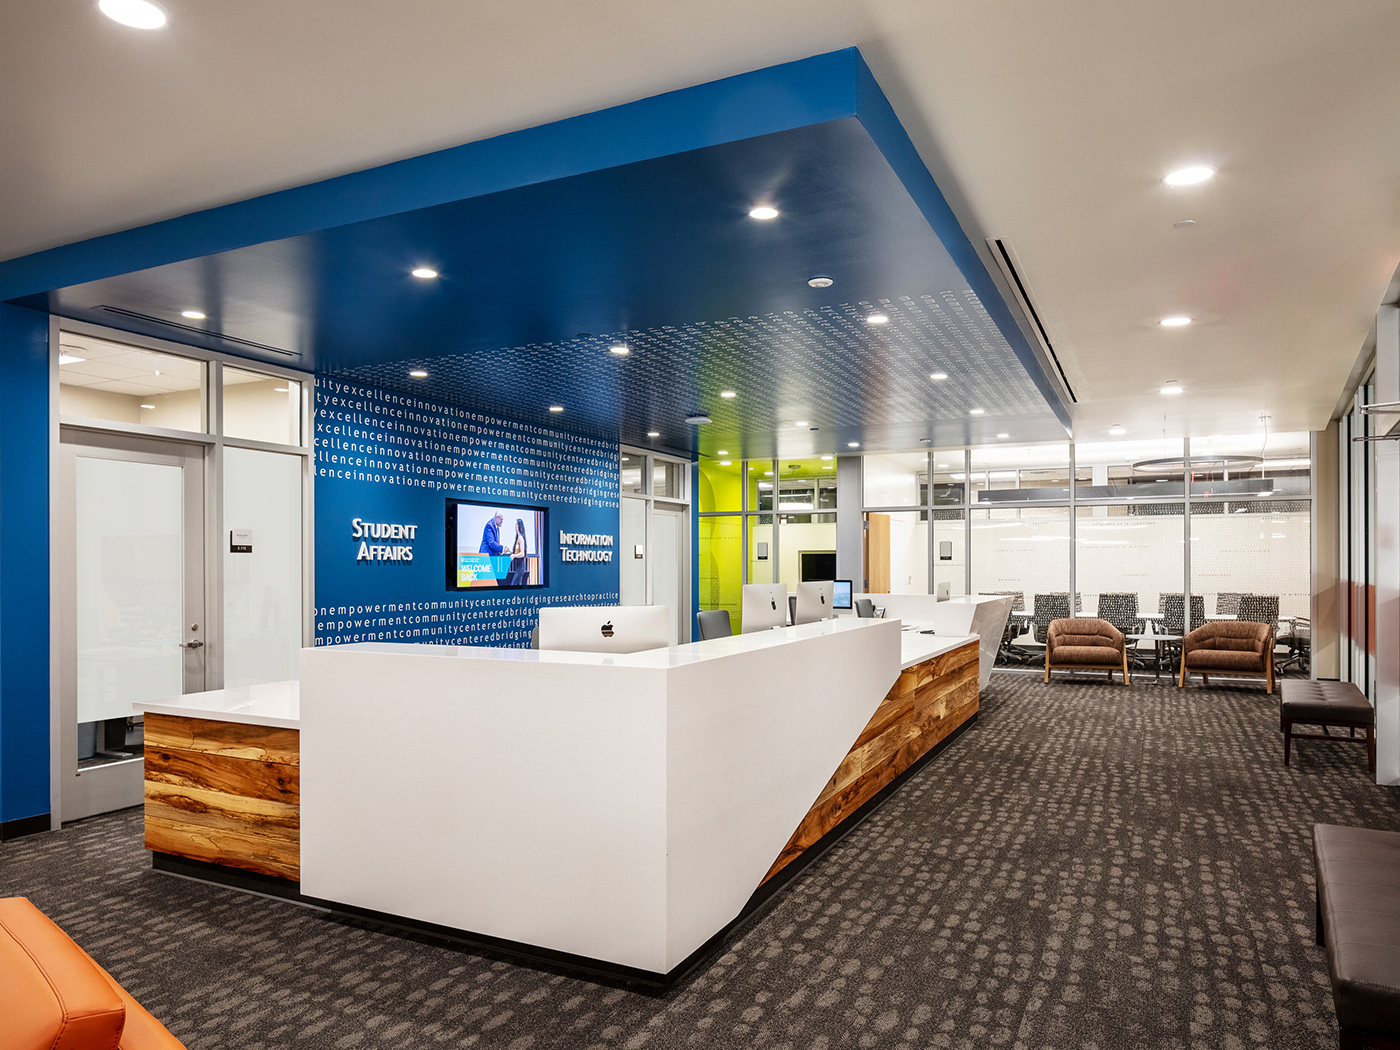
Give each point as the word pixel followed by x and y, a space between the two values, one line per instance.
pixel 605 628
pixel 765 606
pixel 841 592
pixel 814 602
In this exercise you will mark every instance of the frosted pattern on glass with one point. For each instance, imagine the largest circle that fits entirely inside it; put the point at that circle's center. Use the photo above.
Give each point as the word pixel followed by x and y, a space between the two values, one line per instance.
pixel 262 590
pixel 130 585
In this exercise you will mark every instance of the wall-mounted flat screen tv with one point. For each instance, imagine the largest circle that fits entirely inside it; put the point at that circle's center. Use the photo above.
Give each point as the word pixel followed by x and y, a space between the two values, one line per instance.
pixel 495 545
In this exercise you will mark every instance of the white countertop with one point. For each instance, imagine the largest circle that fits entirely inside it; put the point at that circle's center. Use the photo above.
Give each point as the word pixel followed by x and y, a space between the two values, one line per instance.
pixel 278 703
pixel 269 704
pixel 659 659
pixel 915 647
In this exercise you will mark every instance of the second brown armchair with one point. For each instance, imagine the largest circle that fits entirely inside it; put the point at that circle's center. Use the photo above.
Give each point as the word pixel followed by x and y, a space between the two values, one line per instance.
pixel 1229 647
pixel 1083 644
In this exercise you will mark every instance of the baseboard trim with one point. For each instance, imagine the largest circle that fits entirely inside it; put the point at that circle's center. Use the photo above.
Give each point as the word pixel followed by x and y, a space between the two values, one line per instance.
pixel 13 829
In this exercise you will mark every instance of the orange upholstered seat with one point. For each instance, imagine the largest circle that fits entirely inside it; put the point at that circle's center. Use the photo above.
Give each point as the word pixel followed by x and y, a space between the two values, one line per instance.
pixel 53 996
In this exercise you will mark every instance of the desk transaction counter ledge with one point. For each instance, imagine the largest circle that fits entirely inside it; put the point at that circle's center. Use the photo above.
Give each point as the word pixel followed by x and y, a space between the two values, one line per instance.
pixel 614 814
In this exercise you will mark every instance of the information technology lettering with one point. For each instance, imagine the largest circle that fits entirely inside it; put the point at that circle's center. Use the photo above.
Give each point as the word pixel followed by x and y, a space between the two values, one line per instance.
pixel 584 539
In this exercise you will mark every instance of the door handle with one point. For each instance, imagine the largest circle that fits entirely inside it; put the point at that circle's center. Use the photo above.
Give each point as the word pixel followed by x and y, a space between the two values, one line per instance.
pixel 196 644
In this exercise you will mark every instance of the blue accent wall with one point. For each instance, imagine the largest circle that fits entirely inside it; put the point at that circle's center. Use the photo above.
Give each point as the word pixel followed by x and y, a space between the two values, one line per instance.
pixel 391 458
pixel 24 564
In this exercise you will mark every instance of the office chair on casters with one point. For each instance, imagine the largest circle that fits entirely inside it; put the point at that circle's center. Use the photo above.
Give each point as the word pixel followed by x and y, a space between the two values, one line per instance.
pixel 713 623
pixel 865 608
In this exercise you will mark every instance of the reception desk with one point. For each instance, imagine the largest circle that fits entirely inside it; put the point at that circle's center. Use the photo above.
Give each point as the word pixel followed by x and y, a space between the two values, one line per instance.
pixel 614 813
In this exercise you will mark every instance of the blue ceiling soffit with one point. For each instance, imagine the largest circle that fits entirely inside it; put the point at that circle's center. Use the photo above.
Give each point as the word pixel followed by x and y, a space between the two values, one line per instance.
pixel 626 227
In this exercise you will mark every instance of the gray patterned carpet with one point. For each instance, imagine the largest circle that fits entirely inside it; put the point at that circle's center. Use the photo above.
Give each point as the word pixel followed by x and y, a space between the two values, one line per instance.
pixel 1088 867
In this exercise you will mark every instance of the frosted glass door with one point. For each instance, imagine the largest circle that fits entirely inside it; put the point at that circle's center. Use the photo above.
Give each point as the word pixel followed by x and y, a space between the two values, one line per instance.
pixel 130 585
pixel 667 585
pixel 131 618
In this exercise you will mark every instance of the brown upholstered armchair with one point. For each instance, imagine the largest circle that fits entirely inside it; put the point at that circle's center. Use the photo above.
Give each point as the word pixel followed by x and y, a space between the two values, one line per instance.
pixel 1230 647
pixel 1083 644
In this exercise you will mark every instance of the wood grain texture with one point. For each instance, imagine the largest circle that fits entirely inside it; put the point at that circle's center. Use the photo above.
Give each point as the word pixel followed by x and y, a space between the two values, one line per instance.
pixel 259 743
pixel 926 704
pixel 224 793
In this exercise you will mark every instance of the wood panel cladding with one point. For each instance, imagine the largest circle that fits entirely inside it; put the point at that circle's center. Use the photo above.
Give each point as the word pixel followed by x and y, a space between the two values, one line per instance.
pixel 224 793
pixel 927 703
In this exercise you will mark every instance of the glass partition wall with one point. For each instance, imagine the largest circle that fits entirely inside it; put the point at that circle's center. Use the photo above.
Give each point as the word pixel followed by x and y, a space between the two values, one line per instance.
pixel 1100 528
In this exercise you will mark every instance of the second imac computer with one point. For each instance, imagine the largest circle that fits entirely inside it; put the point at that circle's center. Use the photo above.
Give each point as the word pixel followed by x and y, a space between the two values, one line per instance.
pixel 765 606
pixel 814 601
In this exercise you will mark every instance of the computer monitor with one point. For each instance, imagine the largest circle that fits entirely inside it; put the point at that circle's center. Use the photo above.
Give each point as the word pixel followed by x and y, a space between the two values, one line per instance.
pixel 764 606
pixel 605 628
pixel 841 592
pixel 813 602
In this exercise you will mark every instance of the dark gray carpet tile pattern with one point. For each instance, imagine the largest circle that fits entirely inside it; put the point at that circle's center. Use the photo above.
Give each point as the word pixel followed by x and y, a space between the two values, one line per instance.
pixel 1089 866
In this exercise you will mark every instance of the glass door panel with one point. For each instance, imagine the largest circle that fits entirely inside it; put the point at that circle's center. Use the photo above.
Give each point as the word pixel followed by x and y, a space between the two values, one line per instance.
pixel 131 615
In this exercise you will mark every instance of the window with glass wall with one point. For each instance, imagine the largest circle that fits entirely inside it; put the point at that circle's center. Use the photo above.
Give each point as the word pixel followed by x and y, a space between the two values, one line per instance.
pixel 115 382
pixel 806 500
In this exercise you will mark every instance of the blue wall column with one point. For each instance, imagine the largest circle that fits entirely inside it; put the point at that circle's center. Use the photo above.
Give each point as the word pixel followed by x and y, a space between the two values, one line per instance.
pixel 24 571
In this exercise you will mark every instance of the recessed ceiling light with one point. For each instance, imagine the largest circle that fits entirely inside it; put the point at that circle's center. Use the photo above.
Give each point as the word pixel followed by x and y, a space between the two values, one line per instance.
pixel 1189 176
pixel 820 282
pixel 1117 431
pixel 941 466
pixel 193 315
pixel 653 433
pixel 1003 435
pixel 828 457
pixel 977 411
pixel 1183 224
pixel 138 14
pixel 418 373
pixel 727 393
pixel 767 473
pixel 699 419
pixel 938 376
pixel 279 390
pixel 1176 321
pixel 424 273
pixel 726 463
pixel 627 459
pixel 763 211
pixel 69 359
pixel 148 406
pixel 556 408
pixel 157 372
pixel 853 444
pixel 1172 387
pixel 620 350
pixel 803 423
pixel 877 319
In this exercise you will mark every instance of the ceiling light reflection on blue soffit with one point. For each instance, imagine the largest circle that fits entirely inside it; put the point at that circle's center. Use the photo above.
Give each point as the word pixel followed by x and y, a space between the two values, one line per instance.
pixel 538 280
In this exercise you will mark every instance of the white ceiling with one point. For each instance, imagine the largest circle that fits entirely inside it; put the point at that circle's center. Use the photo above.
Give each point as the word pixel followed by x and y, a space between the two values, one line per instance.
pixel 1047 125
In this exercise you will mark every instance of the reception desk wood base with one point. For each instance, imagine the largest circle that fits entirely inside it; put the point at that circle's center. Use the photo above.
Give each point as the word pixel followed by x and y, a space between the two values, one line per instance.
pixel 927 704
pixel 224 793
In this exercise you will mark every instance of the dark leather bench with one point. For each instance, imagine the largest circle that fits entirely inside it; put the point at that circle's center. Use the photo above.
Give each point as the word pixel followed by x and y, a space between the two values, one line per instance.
pixel 1358 920
pixel 1327 704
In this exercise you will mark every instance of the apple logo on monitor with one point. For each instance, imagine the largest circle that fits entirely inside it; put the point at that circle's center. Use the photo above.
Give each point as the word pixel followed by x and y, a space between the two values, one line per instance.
pixel 607 629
